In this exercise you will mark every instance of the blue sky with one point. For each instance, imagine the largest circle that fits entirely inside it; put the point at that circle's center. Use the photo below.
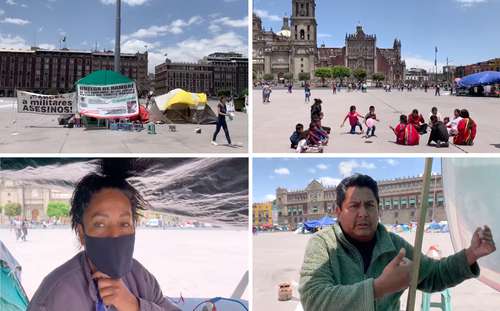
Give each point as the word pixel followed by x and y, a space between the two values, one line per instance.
pixel 185 30
pixel 465 31
pixel 296 173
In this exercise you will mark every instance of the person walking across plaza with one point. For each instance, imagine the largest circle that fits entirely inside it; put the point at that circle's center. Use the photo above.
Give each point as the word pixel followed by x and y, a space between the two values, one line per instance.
pixel 221 121
pixel 307 93
pixel 438 90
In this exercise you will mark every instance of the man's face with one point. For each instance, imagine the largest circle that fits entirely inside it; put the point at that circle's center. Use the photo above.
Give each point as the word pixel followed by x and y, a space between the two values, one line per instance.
pixel 359 214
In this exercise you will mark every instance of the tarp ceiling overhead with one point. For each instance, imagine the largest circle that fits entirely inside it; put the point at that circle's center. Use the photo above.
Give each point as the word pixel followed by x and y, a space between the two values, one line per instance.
pixel 480 78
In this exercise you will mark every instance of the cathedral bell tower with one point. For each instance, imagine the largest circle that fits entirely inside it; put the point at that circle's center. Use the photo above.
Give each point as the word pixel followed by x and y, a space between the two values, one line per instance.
pixel 303 36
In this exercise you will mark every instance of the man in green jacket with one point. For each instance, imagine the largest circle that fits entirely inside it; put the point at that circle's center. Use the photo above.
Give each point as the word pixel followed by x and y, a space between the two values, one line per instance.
pixel 358 265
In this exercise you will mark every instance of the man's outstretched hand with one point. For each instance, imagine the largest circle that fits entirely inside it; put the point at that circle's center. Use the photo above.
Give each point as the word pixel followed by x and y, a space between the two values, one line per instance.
pixel 482 244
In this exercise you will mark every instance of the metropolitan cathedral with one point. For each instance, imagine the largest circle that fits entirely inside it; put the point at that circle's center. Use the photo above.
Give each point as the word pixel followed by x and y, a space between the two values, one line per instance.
pixel 294 48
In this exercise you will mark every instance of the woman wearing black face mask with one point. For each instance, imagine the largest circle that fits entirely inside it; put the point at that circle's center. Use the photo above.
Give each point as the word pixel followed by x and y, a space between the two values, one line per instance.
pixel 103 277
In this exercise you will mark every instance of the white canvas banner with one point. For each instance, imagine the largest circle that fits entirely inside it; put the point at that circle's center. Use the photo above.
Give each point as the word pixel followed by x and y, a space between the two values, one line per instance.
pixel 108 101
pixel 46 104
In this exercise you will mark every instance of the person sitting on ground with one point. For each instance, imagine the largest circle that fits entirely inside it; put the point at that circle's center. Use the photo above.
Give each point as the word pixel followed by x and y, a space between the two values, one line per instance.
pixel 370 115
pixel 466 130
pixel 353 117
pixel 319 117
pixel 296 136
pixel 453 124
pixel 434 112
pixel 324 135
pixel 418 121
pixel 316 108
pixel 314 137
pixel 358 265
pixel 439 133
pixel 406 134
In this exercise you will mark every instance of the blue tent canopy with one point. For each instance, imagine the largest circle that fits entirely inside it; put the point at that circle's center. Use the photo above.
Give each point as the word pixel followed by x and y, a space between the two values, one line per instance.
pixel 480 78
pixel 323 222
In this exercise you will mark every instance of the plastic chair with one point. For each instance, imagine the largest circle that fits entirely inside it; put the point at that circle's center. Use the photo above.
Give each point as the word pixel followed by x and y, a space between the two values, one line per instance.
pixel 444 304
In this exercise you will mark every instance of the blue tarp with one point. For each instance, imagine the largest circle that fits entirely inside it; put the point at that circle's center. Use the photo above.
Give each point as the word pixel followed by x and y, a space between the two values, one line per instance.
pixel 323 222
pixel 480 78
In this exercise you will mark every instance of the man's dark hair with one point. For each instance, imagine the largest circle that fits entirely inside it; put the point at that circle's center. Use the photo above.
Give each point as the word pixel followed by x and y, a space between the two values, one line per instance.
pixel 434 119
pixel 434 109
pixel 113 174
pixel 371 107
pixel 356 180
pixel 299 126
pixel 403 119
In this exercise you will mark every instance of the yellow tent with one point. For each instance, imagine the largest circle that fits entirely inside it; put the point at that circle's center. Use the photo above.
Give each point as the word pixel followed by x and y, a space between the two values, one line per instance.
pixel 179 106
pixel 179 99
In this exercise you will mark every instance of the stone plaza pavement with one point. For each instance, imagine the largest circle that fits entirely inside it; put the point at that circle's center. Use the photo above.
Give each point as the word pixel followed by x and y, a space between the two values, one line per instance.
pixel 196 263
pixel 278 256
pixel 274 122
pixel 32 133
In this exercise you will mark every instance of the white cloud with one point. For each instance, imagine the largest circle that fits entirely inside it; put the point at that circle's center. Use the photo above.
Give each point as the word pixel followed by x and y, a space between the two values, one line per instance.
pixel 311 170
pixel 134 46
pixel 265 15
pixel 129 2
pixel 346 167
pixel 193 49
pixel 175 27
pixel 15 21
pixel 24 5
pixel 12 42
pixel 322 166
pixel 270 197
pixel 391 162
pixel 329 181
pixel 237 23
pixel 282 171
pixel 469 3
pixel 11 2
pixel 2 12
pixel 324 35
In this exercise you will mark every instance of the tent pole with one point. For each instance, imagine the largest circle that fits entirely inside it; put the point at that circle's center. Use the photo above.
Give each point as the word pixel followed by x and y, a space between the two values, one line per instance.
pixel 417 247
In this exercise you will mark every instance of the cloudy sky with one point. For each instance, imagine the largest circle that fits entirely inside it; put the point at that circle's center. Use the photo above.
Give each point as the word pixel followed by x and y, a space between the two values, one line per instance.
pixel 185 30
pixel 465 31
pixel 295 173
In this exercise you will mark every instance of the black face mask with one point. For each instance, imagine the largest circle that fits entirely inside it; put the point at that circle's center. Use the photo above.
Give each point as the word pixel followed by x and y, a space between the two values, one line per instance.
pixel 112 256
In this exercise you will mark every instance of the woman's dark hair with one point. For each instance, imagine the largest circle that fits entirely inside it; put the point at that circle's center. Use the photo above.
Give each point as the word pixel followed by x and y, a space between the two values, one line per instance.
pixel 434 109
pixel 457 111
pixel 317 101
pixel 403 119
pixel 464 113
pixel 352 108
pixel 113 173
pixel 415 111
pixel 356 180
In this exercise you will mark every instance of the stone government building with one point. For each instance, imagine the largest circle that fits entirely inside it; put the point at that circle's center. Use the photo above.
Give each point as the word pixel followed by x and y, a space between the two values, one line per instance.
pixel 399 199
pixel 294 48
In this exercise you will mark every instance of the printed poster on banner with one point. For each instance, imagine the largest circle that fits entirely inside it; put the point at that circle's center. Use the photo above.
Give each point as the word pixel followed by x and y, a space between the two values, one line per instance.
pixel 108 101
pixel 46 104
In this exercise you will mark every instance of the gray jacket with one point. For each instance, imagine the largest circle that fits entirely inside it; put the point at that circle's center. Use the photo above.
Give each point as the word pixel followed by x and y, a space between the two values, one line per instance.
pixel 70 287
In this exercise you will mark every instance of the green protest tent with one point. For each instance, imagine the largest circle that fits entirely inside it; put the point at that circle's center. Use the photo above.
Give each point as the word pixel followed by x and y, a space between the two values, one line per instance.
pixel 104 77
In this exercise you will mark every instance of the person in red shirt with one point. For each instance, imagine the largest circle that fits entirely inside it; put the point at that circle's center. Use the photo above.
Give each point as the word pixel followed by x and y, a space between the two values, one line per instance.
pixel 418 121
pixel 353 117
pixel 466 130
pixel 406 134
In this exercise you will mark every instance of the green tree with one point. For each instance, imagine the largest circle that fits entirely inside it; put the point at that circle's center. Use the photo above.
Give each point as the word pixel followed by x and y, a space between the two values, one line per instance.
pixel 288 76
pixel 304 76
pixel 12 209
pixel 340 72
pixel 323 73
pixel 378 77
pixel 57 209
pixel 268 77
pixel 359 74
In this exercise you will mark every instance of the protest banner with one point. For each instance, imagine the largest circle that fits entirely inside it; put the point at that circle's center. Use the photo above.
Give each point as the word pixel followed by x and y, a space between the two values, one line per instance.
pixel 46 104
pixel 108 101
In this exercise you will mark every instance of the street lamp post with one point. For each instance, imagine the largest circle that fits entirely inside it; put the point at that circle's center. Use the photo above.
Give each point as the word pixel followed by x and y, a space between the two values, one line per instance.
pixel 118 34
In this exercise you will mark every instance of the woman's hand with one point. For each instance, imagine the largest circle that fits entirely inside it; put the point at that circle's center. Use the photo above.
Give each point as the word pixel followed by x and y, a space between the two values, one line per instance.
pixel 114 292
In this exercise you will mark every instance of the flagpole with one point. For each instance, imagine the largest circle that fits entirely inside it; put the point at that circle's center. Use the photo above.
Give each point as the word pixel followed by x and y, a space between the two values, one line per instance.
pixel 118 34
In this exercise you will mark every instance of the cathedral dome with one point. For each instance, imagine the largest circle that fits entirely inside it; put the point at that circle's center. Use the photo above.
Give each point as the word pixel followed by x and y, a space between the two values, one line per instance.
pixel 285 33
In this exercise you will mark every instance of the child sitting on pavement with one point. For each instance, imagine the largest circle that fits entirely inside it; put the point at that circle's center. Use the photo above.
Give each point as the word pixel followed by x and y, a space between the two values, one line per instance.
pixel 406 133
pixel 296 136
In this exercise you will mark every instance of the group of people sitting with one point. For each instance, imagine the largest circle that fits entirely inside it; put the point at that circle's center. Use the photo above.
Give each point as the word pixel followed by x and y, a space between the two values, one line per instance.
pixel 462 128
pixel 314 138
